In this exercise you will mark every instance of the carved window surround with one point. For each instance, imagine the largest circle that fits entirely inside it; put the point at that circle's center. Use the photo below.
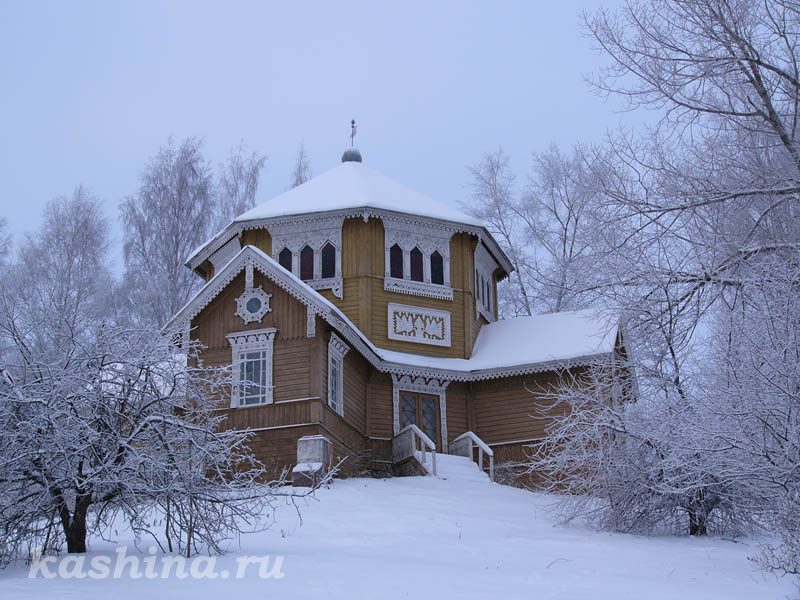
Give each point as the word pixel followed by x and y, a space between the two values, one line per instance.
pixel 484 270
pixel 336 351
pixel 296 234
pixel 428 239
pixel 244 343
pixel 432 387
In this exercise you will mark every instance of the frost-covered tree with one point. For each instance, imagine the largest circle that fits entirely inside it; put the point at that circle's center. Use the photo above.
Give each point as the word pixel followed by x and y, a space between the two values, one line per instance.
pixel 549 230
pixel 100 420
pixel 302 171
pixel 118 425
pixel 56 289
pixel 170 216
pixel 704 237
pixel 237 184
pixel 493 201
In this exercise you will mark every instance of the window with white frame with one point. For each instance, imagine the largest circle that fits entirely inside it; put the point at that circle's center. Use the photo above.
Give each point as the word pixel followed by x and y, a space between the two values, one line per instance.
pixel 417 259
pixel 336 351
pixel 311 249
pixel 485 266
pixel 252 367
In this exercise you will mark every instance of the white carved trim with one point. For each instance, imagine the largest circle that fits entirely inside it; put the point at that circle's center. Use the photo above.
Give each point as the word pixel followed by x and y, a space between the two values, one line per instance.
pixel 311 323
pixel 336 352
pixel 246 341
pixel 364 212
pixel 419 325
pixel 346 329
pixel 485 267
pixel 417 288
pixel 225 253
pixel 241 302
pixel 315 233
pixel 432 387
pixel 335 284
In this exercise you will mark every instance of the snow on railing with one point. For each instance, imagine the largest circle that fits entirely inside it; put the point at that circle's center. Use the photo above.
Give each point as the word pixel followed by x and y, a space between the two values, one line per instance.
pixel 404 445
pixel 463 445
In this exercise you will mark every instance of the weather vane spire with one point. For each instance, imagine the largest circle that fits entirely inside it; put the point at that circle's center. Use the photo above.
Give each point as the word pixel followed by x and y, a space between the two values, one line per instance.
pixel 352 132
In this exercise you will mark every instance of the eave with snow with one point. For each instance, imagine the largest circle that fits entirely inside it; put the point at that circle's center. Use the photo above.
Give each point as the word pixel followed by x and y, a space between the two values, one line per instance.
pixel 355 309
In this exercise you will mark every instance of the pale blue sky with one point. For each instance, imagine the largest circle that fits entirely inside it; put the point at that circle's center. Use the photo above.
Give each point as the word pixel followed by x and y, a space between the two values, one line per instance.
pixel 89 90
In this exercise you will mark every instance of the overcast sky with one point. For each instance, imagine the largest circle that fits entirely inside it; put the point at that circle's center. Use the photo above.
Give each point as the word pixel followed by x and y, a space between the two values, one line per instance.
pixel 90 90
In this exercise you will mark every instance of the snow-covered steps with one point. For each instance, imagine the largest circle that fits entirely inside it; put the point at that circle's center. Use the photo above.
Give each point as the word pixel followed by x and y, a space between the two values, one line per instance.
pixel 459 467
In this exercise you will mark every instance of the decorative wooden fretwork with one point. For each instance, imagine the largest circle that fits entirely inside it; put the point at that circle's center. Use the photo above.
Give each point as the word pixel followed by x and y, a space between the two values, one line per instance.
pixel 253 304
pixel 312 235
pixel 426 388
pixel 420 325
pixel 419 241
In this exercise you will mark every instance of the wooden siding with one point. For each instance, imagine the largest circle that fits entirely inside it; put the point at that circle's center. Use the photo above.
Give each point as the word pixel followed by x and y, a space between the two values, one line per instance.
pixel 365 302
pixel 381 413
pixel 294 363
pixel 506 411
pixel 260 238
pixel 457 393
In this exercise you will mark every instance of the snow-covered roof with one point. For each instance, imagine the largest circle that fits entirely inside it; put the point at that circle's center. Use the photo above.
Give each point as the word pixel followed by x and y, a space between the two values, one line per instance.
pixel 540 339
pixel 351 185
pixel 503 348
pixel 352 189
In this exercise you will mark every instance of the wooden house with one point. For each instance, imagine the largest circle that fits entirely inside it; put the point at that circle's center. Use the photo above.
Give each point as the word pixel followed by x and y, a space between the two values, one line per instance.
pixel 361 321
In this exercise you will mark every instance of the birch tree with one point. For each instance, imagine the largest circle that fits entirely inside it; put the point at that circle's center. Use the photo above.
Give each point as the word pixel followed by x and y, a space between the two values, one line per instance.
pixel 237 184
pixel 171 215
pixel 302 171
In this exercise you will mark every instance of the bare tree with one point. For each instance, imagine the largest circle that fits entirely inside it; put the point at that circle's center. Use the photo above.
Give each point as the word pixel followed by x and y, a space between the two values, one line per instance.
pixel 61 276
pixel 5 239
pixel 702 220
pixel 122 426
pixel 493 201
pixel 302 168
pixel 169 217
pixel 237 184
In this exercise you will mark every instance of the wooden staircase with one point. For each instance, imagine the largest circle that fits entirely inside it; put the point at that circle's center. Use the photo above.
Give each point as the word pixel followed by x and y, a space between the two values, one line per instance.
pixel 414 453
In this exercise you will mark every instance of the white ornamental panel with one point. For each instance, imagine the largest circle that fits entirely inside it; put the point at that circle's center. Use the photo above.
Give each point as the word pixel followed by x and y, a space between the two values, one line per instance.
pixel 420 325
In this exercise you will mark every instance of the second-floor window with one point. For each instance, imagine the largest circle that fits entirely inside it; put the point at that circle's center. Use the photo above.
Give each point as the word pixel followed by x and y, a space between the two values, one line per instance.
pixel 417 260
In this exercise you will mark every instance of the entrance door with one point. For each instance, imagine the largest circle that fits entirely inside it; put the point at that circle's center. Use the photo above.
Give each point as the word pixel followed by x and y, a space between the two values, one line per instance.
pixel 421 410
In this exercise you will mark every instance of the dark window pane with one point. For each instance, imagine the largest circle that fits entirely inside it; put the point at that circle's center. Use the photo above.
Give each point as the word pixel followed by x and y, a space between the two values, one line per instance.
pixel 396 261
pixel 429 420
pixel 416 264
pixel 306 263
pixel 408 410
pixel 285 259
pixel 328 261
pixel 437 268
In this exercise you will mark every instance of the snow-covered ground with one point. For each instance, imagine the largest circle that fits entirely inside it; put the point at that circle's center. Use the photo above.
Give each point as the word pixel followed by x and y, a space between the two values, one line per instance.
pixel 460 537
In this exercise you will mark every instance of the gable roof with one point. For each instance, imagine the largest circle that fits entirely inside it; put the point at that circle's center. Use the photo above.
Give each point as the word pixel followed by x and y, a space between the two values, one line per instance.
pixel 503 348
pixel 352 190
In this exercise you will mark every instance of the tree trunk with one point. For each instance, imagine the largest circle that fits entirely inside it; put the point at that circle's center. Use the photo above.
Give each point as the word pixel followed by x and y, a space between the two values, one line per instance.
pixel 698 523
pixel 75 526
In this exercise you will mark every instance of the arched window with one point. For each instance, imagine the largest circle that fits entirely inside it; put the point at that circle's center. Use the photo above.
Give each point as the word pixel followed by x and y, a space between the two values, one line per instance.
pixel 328 261
pixel 285 259
pixel 396 262
pixel 306 263
pixel 437 268
pixel 416 264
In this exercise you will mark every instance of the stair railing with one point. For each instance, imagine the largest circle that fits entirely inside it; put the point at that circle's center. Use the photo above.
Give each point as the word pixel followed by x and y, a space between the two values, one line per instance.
pixel 464 444
pixel 405 443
